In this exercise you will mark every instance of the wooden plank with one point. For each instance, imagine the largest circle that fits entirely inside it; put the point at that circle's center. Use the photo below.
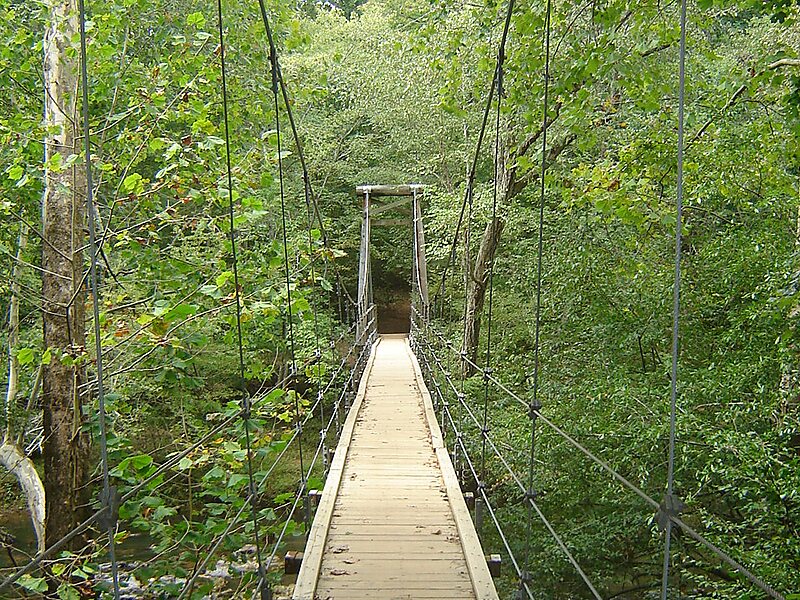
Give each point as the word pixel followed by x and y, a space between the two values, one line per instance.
pixel 387 529
pixel 312 559
pixel 388 190
pixel 387 595
pixel 409 584
pixel 391 527
pixel 401 535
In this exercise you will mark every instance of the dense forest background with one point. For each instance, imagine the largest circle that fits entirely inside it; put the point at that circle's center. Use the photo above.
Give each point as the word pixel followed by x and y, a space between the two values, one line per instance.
pixel 392 91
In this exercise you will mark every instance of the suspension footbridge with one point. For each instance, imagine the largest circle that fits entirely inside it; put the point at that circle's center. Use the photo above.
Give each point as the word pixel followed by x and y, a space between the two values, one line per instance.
pixel 392 522
pixel 411 439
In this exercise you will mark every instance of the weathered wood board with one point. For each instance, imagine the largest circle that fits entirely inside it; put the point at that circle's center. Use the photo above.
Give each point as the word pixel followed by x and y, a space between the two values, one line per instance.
pixel 392 522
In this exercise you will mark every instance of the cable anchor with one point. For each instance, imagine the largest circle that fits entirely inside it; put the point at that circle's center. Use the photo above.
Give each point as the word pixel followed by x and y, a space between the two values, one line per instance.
pixel 525 579
pixel 266 590
pixel 533 409
pixel 246 404
pixel 671 506
pixel 110 501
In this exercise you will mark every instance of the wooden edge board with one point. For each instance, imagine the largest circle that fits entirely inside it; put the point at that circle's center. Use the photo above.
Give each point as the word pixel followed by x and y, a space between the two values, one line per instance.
pixel 482 583
pixel 427 403
pixel 306 585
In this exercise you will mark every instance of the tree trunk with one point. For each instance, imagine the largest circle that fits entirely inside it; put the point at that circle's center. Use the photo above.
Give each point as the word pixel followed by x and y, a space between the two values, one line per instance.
pixel 13 338
pixel 478 280
pixel 509 185
pixel 65 446
pixel 13 459
pixel 11 455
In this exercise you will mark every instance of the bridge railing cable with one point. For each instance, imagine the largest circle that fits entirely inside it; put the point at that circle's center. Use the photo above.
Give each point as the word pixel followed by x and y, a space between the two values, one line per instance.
pixel 302 489
pixel 429 357
pixel 422 339
pixel 236 518
pixel 107 513
pixel 362 346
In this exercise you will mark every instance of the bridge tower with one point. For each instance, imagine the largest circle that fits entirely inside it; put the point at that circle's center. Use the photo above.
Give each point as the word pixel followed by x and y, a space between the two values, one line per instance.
pixel 398 196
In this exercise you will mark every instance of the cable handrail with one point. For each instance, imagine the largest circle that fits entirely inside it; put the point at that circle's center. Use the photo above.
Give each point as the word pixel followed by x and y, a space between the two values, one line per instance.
pixel 527 494
pixel 163 468
pixel 699 538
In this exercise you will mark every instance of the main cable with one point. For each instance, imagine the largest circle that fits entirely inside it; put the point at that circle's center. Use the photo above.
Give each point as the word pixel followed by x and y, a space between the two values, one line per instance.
pixel 474 166
pixel 109 498
pixel 237 293
pixel 535 404
pixel 490 313
pixel 275 89
pixel 278 75
pixel 670 502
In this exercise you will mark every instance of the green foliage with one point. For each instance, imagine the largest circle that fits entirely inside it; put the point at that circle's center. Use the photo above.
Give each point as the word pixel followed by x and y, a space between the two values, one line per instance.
pixel 608 240
pixel 391 93
pixel 168 300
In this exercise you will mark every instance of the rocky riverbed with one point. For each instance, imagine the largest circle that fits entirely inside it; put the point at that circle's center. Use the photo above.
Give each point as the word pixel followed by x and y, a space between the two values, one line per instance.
pixel 225 576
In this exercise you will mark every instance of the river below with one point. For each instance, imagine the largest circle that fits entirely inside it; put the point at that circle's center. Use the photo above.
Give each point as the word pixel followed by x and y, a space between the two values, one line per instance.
pixel 135 550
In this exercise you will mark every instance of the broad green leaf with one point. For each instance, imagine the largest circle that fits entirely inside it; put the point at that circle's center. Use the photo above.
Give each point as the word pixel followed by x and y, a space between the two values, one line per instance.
pixel 25 356
pixel 68 592
pixel 133 184
pixel 34 584
pixel 180 312
pixel 196 19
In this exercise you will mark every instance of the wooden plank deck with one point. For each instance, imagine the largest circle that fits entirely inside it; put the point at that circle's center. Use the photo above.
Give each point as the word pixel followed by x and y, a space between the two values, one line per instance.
pixel 392 523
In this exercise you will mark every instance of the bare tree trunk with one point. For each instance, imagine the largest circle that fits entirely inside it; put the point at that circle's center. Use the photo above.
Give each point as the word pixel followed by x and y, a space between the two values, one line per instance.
pixel 11 455
pixel 65 446
pixel 509 184
pixel 13 337
pixel 478 273
pixel 13 459
pixel 478 280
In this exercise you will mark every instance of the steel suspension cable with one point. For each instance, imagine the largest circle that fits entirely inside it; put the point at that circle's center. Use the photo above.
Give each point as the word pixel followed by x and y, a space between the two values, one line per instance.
pixel 265 591
pixel 606 466
pixel 535 404
pixel 319 451
pixel 110 496
pixel 233 521
pixel 671 504
pixel 284 232
pixel 490 307
pixel 529 499
pixel 474 165
pixel 168 464
pixel 518 567
pixel 492 514
pixel 277 73
pixel 245 402
pixel 467 278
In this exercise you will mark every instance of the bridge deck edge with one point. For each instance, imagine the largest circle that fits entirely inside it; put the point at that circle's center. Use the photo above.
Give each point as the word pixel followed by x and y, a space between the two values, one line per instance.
pixel 307 578
pixel 482 583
